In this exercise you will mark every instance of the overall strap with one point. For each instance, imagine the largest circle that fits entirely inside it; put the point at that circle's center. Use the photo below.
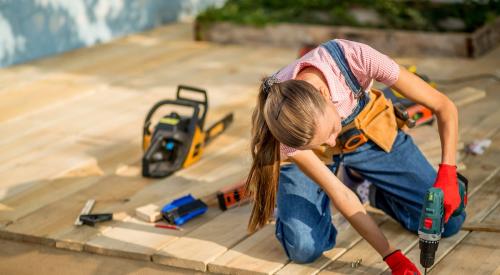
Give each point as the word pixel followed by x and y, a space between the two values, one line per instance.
pixel 338 56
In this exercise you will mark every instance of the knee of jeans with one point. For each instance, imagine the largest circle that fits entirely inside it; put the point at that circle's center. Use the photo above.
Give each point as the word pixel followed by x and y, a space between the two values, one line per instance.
pixel 303 251
pixel 302 245
pixel 453 225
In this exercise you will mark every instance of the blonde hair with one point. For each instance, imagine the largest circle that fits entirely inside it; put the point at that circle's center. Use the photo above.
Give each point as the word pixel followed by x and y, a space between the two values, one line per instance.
pixel 285 113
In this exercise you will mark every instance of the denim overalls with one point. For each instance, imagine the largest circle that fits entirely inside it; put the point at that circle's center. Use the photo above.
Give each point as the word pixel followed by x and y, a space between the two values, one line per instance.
pixel 401 178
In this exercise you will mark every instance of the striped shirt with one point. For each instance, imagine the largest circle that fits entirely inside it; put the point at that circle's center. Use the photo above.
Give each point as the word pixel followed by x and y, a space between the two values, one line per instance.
pixel 366 64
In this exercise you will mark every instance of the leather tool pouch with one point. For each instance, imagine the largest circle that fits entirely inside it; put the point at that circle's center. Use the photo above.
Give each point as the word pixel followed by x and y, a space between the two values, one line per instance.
pixel 378 121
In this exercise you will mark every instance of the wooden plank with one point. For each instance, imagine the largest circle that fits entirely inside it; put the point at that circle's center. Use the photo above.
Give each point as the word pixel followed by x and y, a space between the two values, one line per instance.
pixel 44 192
pixel 485 248
pixel 196 249
pixel 63 160
pixel 261 253
pixel 485 128
pixel 68 121
pixel 371 261
pixel 24 258
pixel 131 238
pixel 347 237
pixel 466 96
pixel 482 227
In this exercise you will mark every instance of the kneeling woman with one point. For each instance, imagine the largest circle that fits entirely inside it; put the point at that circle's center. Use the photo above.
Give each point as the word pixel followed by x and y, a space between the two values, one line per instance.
pixel 305 117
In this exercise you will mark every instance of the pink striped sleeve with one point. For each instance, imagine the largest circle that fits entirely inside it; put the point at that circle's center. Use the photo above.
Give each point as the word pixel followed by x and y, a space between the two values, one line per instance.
pixel 287 151
pixel 366 61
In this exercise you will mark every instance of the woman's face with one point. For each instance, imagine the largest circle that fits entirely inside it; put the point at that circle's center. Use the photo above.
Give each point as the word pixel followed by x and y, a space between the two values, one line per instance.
pixel 328 126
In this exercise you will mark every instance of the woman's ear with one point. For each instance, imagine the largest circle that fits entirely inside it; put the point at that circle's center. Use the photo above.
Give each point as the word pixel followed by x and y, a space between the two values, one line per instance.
pixel 325 93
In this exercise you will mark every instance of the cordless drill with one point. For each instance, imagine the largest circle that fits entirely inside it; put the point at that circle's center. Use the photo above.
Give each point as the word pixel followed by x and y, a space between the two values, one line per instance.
pixel 432 220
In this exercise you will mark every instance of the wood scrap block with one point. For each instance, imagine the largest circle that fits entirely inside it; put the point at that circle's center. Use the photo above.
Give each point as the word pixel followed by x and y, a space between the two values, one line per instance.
pixel 148 213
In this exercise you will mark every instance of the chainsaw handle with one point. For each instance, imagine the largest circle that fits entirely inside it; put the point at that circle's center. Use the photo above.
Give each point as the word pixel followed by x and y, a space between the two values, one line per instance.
pixel 147 121
pixel 204 103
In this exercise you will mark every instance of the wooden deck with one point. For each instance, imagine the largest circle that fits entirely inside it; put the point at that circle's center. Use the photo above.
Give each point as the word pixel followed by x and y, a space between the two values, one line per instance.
pixel 71 131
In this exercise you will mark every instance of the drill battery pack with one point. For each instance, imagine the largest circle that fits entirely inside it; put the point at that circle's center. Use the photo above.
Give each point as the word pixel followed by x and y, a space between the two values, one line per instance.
pixel 183 209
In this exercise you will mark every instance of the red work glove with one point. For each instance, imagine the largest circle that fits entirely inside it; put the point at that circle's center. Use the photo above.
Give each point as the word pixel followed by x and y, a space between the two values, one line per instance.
pixel 400 265
pixel 447 180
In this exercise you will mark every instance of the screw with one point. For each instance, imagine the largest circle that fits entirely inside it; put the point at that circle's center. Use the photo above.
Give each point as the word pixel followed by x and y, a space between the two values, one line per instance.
pixel 356 263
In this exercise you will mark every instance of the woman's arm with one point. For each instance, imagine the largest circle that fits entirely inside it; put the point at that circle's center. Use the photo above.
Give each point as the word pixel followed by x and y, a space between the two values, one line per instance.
pixel 344 200
pixel 417 90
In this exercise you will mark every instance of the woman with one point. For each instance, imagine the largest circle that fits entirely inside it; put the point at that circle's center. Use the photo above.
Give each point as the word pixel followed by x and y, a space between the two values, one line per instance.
pixel 320 109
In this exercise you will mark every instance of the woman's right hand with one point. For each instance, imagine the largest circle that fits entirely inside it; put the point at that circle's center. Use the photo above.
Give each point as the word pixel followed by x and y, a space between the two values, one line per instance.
pixel 400 264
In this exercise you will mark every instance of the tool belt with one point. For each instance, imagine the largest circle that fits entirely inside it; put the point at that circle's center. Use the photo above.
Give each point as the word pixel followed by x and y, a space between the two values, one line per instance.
pixel 376 122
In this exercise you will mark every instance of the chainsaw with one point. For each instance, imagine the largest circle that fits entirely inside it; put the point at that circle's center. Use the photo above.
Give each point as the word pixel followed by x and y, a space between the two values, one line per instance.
pixel 178 141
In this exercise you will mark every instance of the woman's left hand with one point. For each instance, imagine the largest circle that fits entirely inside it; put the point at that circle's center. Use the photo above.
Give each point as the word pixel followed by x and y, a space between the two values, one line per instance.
pixel 447 181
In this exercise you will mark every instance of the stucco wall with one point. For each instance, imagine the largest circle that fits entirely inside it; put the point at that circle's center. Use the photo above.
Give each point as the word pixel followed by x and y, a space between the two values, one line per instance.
pixel 31 29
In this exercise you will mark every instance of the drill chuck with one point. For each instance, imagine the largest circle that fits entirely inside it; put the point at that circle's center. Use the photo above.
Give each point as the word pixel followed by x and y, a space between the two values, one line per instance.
pixel 427 252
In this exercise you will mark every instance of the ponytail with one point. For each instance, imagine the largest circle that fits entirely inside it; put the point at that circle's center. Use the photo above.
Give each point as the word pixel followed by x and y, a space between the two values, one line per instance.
pixel 262 180
pixel 284 113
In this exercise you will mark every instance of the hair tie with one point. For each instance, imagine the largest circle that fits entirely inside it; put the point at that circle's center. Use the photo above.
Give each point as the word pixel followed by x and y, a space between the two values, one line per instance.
pixel 268 82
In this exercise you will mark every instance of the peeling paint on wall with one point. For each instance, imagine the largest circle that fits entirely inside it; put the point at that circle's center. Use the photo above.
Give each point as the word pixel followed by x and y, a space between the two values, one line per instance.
pixel 31 29
pixel 10 43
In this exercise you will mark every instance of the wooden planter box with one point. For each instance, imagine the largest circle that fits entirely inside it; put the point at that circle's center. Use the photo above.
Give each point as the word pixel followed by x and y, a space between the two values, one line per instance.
pixel 391 42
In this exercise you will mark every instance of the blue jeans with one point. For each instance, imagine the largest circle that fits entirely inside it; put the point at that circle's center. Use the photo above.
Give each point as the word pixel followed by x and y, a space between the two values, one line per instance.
pixel 401 178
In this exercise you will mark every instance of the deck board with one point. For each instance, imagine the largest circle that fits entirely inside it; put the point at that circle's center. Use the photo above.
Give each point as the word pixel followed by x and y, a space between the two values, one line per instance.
pixel 347 238
pixel 485 246
pixel 203 245
pixel 260 253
